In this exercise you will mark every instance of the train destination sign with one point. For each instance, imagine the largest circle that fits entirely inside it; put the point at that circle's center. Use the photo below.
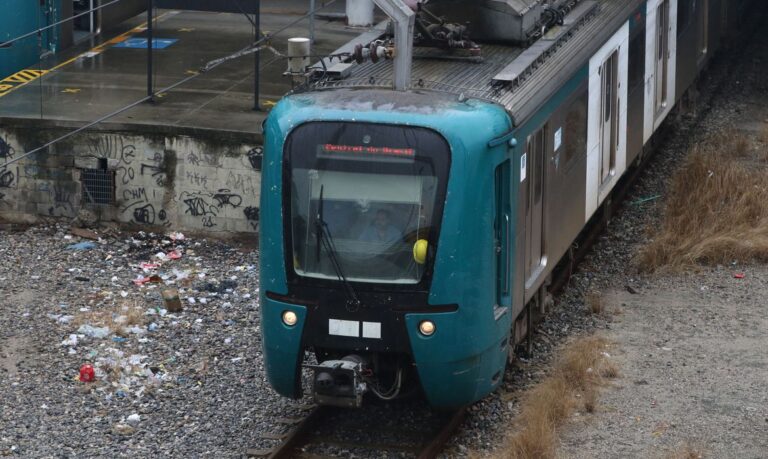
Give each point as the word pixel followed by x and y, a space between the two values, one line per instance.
pixel 332 150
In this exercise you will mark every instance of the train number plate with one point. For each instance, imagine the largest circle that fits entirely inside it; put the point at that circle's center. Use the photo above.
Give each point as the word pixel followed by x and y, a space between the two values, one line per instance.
pixel 354 329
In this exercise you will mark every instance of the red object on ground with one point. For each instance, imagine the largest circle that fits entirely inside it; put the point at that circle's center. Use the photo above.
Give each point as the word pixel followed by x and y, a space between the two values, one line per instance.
pixel 175 255
pixel 87 374
pixel 149 266
pixel 739 275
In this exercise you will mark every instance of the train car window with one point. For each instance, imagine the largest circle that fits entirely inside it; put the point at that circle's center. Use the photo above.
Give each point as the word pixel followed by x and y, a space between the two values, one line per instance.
pixel 576 128
pixel 637 61
pixel 684 15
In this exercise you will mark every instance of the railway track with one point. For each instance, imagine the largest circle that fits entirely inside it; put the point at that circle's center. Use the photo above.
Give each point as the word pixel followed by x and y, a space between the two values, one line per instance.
pixel 334 432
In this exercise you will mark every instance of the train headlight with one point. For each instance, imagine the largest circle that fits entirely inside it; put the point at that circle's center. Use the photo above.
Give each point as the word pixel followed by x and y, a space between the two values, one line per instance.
pixel 290 318
pixel 427 328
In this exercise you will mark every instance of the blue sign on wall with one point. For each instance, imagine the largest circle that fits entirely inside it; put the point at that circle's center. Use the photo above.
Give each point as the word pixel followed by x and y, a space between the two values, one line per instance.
pixel 142 43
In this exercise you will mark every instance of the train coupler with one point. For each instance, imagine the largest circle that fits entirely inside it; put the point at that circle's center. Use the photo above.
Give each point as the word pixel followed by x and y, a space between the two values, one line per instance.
pixel 340 382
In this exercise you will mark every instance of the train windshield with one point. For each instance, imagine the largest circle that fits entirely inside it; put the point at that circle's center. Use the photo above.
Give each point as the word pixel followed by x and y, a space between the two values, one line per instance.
pixel 365 201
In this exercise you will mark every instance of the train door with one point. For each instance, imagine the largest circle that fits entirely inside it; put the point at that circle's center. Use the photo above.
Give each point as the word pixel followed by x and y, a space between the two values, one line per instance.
pixel 534 229
pixel 609 106
pixel 503 238
pixel 661 58
pixel 607 119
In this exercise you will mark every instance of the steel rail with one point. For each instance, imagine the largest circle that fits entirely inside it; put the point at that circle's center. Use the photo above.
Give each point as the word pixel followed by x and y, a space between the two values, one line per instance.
pixel 303 435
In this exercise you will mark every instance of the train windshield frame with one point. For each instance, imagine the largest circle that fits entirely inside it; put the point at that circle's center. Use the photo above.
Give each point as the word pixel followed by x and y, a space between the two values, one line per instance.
pixel 364 202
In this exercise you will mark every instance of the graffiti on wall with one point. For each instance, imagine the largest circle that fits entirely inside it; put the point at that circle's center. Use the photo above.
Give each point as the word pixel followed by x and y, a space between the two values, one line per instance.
pixel 6 150
pixel 207 187
pixel 140 208
pixel 252 215
pixel 115 147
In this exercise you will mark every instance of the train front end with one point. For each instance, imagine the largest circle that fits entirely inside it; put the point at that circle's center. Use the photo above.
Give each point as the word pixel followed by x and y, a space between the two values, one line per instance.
pixel 377 247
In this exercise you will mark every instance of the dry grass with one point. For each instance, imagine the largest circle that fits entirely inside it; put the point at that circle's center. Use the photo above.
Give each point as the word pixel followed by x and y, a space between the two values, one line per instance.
pixel 594 302
pixel 764 133
pixel 574 383
pixel 716 213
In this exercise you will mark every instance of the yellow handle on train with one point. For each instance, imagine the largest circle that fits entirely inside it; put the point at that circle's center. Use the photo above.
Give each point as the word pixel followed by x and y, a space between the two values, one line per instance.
pixel 420 251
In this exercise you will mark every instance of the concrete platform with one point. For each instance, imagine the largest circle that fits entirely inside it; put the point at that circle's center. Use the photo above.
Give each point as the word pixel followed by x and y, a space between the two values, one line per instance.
pixel 96 78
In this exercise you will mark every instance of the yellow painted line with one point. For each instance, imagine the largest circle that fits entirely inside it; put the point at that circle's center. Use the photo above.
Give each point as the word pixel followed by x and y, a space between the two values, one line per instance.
pixel 19 79
pixel 24 77
pixel 269 103
pixel 186 29
pixel 70 91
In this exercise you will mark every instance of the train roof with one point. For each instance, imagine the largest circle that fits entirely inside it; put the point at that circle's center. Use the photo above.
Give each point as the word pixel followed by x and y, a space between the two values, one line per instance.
pixel 518 78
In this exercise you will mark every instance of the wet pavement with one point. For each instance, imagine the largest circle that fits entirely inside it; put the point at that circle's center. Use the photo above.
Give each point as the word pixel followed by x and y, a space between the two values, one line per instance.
pixel 98 77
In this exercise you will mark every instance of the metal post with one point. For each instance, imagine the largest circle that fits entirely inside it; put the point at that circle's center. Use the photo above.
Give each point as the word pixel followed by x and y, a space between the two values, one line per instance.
pixel 257 55
pixel 150 46
pixel 312 26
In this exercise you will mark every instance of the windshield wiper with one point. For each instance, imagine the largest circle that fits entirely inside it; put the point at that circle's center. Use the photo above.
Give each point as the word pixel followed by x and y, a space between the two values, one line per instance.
pixel 325 239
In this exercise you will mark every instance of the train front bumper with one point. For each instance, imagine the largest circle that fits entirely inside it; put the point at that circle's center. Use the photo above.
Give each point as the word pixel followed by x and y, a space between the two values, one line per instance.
pixel 282 346
pixel 455 368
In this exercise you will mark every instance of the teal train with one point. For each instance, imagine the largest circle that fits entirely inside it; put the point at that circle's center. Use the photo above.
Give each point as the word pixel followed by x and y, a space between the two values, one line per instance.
pixel 409 237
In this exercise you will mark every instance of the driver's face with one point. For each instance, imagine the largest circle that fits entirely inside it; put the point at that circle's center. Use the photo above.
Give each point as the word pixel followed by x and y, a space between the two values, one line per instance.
pixel 382 220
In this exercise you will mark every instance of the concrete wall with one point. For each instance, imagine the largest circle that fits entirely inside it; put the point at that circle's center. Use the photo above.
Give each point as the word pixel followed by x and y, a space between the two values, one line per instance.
pixel 162 181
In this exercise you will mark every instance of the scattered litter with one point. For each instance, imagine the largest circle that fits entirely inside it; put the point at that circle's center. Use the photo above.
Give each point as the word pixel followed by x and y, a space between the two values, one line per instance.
pixel 94 332
pixel 87 373
pixel 176 236
pixel 136 330
pixel 65 319
pixel 149 266
pixel 71 341
pixel 739 275
pixel 644 200
pixel 172 301
pixel 181 275
pixel 175 255
pixel 84 233
pixel 133 420
pixel 141 280
pixel 119 339
pixel 85 245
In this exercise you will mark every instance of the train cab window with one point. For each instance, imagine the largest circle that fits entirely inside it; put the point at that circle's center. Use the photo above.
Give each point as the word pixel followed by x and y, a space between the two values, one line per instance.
pixel 365 201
